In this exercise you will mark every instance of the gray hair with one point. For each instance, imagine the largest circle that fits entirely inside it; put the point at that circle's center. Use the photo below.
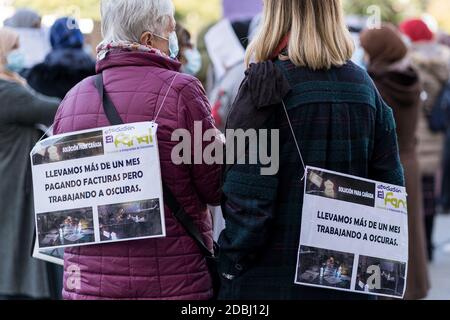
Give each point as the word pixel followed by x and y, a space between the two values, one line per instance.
pixel 127 20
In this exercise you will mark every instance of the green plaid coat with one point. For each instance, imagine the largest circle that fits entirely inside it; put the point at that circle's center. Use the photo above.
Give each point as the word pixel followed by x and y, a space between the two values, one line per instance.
pixel 342 124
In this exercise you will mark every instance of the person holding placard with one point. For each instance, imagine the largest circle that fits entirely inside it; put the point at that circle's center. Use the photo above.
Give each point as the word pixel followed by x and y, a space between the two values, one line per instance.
pixel 137 60
pixel 300 80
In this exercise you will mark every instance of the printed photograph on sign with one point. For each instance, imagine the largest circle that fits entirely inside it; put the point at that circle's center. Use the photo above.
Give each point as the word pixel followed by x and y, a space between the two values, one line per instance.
pixel 65 228
pixel 70 147
pixel 381 276
pixel 324 267
pixel 130 220
pixel 338 187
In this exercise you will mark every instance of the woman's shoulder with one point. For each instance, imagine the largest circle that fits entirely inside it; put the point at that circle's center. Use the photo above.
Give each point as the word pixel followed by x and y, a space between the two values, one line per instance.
pixel 186 85
pixel 341 84
pixel 349 73
pixel 12 90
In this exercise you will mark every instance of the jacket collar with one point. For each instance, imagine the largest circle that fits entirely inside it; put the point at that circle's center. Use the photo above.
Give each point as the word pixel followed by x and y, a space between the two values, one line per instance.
pixel 122 58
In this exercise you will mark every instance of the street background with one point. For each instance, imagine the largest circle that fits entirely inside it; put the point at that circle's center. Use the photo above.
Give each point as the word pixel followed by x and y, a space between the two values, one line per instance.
pixel 440 268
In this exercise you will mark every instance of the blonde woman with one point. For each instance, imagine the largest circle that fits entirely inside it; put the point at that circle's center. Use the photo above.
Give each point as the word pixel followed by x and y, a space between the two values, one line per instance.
pixel 301 56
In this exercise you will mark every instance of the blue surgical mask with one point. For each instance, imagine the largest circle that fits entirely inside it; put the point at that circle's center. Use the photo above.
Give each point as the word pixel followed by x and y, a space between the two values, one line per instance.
pixel 174 48
pixel 194 62
pixel 173 45
pixel 15 61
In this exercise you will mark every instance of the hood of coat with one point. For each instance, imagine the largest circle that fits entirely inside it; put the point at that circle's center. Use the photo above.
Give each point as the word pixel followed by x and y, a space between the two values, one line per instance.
pixel 267 84
pixel 124 58
pixel 263 88
pixel 399 84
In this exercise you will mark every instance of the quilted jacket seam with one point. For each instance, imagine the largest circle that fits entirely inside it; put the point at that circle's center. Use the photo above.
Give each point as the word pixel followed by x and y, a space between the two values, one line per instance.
pixel 146 276
pixel 180 297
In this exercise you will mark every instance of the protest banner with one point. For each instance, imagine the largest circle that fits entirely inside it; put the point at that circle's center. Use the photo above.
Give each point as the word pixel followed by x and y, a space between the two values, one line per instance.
pixel 354 235
pixel 97 186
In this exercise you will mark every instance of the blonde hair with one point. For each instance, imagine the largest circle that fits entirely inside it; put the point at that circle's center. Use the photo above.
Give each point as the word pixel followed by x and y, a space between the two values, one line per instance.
pixel 319 38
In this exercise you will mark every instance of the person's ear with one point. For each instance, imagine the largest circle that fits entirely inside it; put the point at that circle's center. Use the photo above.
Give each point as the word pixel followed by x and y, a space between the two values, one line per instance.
pixel 147 39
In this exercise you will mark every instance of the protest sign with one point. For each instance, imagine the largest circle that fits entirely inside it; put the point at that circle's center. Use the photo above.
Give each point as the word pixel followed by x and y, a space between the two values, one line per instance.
pixel 55 256
pixel 97 186
pixel 354 235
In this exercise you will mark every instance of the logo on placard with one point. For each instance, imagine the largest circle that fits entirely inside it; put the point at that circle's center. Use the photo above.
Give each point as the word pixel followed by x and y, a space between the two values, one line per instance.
pixel 391 198
pixel 126 136
pixel 395 202
pixel 128 140
pixel 109 139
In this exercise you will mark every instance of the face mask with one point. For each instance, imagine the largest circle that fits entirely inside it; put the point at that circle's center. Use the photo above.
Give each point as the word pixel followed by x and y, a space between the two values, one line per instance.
pixel 174 49
pixel 173 45
pixel 194 62
pixel 15 61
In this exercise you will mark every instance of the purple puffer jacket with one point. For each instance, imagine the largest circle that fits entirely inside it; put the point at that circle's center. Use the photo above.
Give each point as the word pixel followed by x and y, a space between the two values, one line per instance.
pixel 167 268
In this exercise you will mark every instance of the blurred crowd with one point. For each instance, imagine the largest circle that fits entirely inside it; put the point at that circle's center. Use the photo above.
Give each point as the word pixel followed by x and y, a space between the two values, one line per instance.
pixel 409 64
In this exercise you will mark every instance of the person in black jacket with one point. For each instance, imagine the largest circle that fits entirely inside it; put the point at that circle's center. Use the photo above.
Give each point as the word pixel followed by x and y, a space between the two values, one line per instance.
pixel 66 65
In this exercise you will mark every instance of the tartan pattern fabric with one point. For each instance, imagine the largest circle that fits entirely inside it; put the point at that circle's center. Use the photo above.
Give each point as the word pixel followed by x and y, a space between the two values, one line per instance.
pixel 342 124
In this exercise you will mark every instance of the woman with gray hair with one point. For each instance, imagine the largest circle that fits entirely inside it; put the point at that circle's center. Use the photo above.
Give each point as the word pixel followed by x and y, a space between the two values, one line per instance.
pixel 141 75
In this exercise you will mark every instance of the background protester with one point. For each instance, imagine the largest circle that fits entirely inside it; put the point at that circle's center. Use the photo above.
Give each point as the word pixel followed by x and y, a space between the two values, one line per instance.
pixel 66 65
pixel 399 85
pixel 432 62
pixel 340 122
pixel 356 25
pixel 20 111
pixel 223 66
pixel 189 55
pixel 223 51
pixel 226 87
pixel 34 42
pixel 137 61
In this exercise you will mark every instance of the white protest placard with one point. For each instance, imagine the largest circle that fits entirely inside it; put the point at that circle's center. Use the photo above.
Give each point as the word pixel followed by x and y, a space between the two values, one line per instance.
pixel 55 256
pixel 354 235
pixel 34 45
pixel 224 48
pixel 98 186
